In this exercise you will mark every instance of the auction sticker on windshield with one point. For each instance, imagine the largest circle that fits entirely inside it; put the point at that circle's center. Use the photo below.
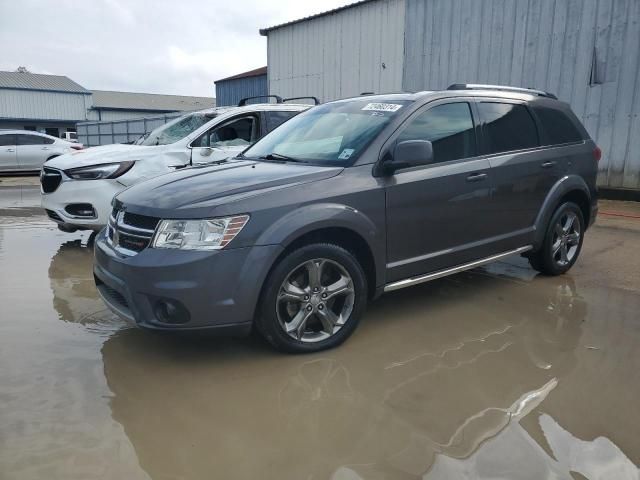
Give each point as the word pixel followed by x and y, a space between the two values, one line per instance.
pixel 382 107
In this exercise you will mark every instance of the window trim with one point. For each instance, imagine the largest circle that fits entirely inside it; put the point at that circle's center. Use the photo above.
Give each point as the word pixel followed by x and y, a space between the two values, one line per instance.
pixel 389 144
pixel 253 115
pixel 513 101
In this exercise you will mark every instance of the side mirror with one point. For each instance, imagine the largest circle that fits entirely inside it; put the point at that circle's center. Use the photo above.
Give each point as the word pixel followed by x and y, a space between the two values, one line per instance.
pixel 411 153
pixel 206 151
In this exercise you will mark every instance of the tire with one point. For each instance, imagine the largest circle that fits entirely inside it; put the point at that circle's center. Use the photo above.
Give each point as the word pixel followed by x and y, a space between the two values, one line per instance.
pixel 562 241
pixel 294 317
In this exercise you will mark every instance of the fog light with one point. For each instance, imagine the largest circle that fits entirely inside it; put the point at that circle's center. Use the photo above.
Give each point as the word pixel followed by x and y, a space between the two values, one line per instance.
pixel 171 311
pixel 84 210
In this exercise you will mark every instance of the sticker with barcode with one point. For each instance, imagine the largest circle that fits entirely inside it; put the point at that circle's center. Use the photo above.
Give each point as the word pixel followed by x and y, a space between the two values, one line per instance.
pixel 382 107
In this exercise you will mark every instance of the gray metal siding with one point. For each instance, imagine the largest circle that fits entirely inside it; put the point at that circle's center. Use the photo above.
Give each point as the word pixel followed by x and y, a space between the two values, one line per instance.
pixel 584 51
pixel 31 104
pixel 339 54
pixel 230 92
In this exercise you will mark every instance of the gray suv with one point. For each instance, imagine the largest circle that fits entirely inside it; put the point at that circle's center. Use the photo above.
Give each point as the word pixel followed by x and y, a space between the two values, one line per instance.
pixel 346 201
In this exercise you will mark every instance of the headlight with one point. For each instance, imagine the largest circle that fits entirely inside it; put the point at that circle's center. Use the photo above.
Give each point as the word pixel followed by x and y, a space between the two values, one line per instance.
pixel 98 172
pixel 211 234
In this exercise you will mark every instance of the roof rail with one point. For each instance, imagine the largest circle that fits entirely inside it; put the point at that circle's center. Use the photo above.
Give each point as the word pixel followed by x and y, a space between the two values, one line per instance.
pixel 503 88
pixel 243 102
pixel 315 99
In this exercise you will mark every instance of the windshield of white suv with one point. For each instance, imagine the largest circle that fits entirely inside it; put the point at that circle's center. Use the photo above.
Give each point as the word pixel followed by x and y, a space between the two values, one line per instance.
pixel 332 134
pixel 175 130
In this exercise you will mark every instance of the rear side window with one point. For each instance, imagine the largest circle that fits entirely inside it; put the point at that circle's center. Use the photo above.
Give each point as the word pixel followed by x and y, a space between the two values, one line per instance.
pixel 557 127
pixel 507 127
pixel 33 140
pixel 277 118
pixel 448 127
pixel 7 140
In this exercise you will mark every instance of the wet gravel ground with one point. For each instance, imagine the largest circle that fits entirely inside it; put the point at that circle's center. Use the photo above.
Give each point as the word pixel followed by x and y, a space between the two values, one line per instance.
pixel 492 373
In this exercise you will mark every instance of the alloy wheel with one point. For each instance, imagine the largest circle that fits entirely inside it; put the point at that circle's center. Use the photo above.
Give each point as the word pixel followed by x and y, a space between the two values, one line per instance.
pixel 315 300
pixel 566 239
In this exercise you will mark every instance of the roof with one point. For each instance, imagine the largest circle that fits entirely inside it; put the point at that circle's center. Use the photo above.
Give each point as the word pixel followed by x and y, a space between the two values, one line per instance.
pixel 251 73
pixel 264 31
pixel 110 100
pixel 40 82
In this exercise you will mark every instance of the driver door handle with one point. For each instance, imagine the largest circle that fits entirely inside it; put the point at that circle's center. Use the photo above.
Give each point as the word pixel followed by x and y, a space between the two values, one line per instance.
pixel 45 148
pixel 476 177
pixel 10 150
pixel 548 164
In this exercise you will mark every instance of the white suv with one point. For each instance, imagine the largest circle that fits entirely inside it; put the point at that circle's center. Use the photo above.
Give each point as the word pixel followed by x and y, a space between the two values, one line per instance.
pixel 26 151
pixel 77 188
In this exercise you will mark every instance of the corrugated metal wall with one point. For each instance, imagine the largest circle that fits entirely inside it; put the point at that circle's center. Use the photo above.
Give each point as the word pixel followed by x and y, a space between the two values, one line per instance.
pixel 30 104
pixel 340 54
pixel 585 51
pixel 230 92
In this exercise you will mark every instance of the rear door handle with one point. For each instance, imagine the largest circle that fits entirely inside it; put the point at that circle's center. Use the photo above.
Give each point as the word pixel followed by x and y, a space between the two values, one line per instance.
pixel 476 177
pixel 45 148
pixel 548 164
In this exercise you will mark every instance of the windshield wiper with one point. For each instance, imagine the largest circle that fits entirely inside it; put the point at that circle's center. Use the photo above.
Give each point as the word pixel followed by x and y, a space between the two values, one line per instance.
pixel 277 156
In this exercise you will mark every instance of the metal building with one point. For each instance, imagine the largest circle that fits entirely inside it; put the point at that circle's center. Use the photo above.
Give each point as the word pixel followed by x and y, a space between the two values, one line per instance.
pixel 230 90
pixel 109 105
pixel 585 51
pixel 47 103
pixel 54 104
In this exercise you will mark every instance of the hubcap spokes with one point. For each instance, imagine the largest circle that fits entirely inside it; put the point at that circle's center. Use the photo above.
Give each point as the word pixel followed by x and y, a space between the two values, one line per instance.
pixel 566 239
pixel 315 300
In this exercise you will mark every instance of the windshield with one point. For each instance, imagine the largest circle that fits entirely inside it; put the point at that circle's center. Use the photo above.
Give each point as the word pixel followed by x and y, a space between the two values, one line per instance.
pixel 332 134
pixel 175 130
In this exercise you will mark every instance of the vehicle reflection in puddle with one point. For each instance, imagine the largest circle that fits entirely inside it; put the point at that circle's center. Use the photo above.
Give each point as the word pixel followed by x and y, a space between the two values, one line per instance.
pixel 493 373
pixel 438 390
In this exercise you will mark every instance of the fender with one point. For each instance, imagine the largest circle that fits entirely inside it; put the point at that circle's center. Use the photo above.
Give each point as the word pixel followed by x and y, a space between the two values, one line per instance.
pixel 566 184
pixel 312 217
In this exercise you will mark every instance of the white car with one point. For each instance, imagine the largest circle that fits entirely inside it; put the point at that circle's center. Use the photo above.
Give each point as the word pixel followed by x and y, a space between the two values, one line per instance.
pixel 26 151
pixel 77 189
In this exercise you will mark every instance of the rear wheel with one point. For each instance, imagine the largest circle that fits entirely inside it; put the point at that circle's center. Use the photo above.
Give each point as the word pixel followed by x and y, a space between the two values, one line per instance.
pixel 562 242
pixel 313 299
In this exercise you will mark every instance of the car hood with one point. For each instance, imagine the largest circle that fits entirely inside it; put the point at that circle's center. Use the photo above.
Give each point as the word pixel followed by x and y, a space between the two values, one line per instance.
pixel 195 191
pixel 100 155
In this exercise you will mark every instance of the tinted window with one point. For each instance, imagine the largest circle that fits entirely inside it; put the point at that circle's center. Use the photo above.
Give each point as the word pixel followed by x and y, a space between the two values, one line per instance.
pixel 557 127
pixel 238 132
pixel 507 127
pixel 6 140
pixel 32 140
pixel 448 127
pixel 275 119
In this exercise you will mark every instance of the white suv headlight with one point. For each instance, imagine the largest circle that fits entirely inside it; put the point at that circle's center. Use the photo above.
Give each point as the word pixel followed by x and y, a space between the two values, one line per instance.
pixel 212 234
pixel 98 172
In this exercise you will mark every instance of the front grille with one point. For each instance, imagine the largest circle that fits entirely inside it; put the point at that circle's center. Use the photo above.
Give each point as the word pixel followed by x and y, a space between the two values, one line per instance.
pixel 53 215
pixel 50 179
pixel 129 232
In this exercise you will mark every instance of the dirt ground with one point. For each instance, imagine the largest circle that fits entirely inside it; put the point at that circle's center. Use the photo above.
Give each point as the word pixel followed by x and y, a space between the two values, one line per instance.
pixel 492 373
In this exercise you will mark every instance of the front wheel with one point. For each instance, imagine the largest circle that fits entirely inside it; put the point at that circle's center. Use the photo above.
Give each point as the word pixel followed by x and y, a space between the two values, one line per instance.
pixel 562 242
pixel 313 299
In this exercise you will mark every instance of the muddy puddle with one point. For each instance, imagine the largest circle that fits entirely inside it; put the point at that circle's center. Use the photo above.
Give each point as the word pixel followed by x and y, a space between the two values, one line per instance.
pixel 494 373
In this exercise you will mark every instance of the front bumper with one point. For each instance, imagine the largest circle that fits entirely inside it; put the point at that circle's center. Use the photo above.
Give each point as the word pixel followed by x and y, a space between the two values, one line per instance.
pixel 97 193
pixel 219 289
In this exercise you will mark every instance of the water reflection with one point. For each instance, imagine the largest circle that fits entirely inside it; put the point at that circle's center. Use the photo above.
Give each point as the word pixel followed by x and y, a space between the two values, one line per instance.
pixel 436 382
pixel 74 293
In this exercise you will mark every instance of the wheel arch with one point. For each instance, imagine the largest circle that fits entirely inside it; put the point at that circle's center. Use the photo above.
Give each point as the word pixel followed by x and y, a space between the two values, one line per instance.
pixel 332 223
pixel 569 188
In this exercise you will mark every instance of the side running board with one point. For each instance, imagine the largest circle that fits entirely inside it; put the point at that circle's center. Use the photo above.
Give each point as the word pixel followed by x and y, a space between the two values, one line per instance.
pixel 407 282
